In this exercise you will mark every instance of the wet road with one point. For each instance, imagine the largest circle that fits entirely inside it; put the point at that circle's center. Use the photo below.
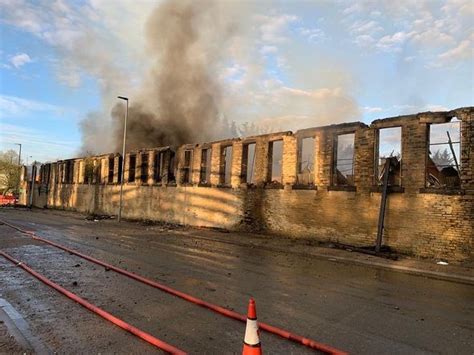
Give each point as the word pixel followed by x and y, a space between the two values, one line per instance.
pixel 354 308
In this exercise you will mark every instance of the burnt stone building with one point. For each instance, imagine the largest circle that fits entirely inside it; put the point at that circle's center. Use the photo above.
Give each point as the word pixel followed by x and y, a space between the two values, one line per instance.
pixel 322 183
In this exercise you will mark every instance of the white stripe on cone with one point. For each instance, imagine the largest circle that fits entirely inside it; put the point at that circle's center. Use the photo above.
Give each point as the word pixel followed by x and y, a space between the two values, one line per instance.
pixel 251 333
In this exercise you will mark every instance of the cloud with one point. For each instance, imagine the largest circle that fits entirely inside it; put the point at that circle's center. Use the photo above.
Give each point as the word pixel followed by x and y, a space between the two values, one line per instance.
pixel 364 41
pixel 290 108
pixel 89 35
pixel 312 35
pixel 354 8
pixel 13 106
pixel 393 42
pixel 273 28
pixel 268 50
pixel 462 52
pixel 68 73
pixel 434 29
pixel 22 15
pixel 370 109
pixel 365 28
pixel 20 60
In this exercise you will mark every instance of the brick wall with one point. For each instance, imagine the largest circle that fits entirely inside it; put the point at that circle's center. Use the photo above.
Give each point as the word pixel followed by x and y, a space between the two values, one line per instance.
pixel 427 222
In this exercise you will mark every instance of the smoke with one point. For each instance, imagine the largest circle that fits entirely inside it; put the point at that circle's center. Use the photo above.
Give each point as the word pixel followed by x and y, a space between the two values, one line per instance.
pixel 181 98
pixel 205 77
pixel 202 70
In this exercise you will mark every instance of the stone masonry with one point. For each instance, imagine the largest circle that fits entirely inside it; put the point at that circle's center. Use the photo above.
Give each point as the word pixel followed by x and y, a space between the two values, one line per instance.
pixel 420 220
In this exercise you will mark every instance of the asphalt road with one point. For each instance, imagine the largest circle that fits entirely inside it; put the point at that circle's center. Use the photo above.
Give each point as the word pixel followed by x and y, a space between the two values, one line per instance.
pixel 355 308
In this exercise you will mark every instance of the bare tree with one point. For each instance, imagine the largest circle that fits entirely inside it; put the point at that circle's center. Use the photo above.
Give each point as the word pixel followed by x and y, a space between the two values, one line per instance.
pixel 442 158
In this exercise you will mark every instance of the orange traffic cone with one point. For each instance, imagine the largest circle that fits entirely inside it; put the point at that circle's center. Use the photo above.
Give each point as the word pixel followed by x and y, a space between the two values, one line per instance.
pixel 252 341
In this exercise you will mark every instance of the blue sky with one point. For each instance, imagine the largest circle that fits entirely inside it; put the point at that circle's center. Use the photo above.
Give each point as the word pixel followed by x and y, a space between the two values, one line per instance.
pixel 289 64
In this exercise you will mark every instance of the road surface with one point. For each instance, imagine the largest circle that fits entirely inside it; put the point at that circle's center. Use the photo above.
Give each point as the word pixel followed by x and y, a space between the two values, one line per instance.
pixel 355 308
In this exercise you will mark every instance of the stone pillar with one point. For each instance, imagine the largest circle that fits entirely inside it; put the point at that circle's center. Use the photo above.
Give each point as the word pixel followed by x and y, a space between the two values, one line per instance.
pixel 138 173
pixel 261 161
pixel 75 172
pixel 116 169
pixel 467 148
pixel 63 172
pixel 414 152
pixel 151 160
pixel 324 152
pixel 196 165
pixel 364 158
pixel 54 173
pixel 127 168
pixel 81 171
pixel 236 168
pixel 104 175
pixel 180 165
pixel 216 164
pixel 289 157
pixel 138 169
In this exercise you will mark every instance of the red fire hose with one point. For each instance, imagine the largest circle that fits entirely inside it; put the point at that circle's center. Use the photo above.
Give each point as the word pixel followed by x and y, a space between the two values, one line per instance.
pixel 218 309
pixel 117 321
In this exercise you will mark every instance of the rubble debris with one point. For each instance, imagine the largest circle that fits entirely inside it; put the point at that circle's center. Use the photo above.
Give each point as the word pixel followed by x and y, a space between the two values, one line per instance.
pixel 97 217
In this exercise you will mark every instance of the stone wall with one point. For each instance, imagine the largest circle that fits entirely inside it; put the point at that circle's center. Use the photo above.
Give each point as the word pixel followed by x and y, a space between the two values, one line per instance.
pixel 434 222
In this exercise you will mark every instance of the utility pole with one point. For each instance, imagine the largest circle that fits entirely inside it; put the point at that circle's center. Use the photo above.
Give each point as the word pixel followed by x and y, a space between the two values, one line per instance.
pixel 389 161
pixel 123 158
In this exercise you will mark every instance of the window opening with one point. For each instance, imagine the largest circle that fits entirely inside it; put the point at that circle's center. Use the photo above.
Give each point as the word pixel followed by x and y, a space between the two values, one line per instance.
pixel 205 175
pixel 41 174
pixel 188 154
pixel 119 170
pixel 157 167
pixel 226 165
pixel 111 170
pixel 98 171
pixel 65 170
pixel 69 172
pixel 444 149
pixel 88 171
pixel 344 160
pixel 46 169
pixel 248 163
pixel 306 161
pixel 275 155
pixel 390 146
pixel 131 168
pixel 171 170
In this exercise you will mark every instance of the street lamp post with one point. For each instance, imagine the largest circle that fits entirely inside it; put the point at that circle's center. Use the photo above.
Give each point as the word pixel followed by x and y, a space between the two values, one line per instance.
pixel 123 157
pixel 19 153
pixel 19 165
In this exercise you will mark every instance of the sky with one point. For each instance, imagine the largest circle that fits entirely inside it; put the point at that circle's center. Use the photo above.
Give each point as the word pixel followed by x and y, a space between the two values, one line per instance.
pixel 285 65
